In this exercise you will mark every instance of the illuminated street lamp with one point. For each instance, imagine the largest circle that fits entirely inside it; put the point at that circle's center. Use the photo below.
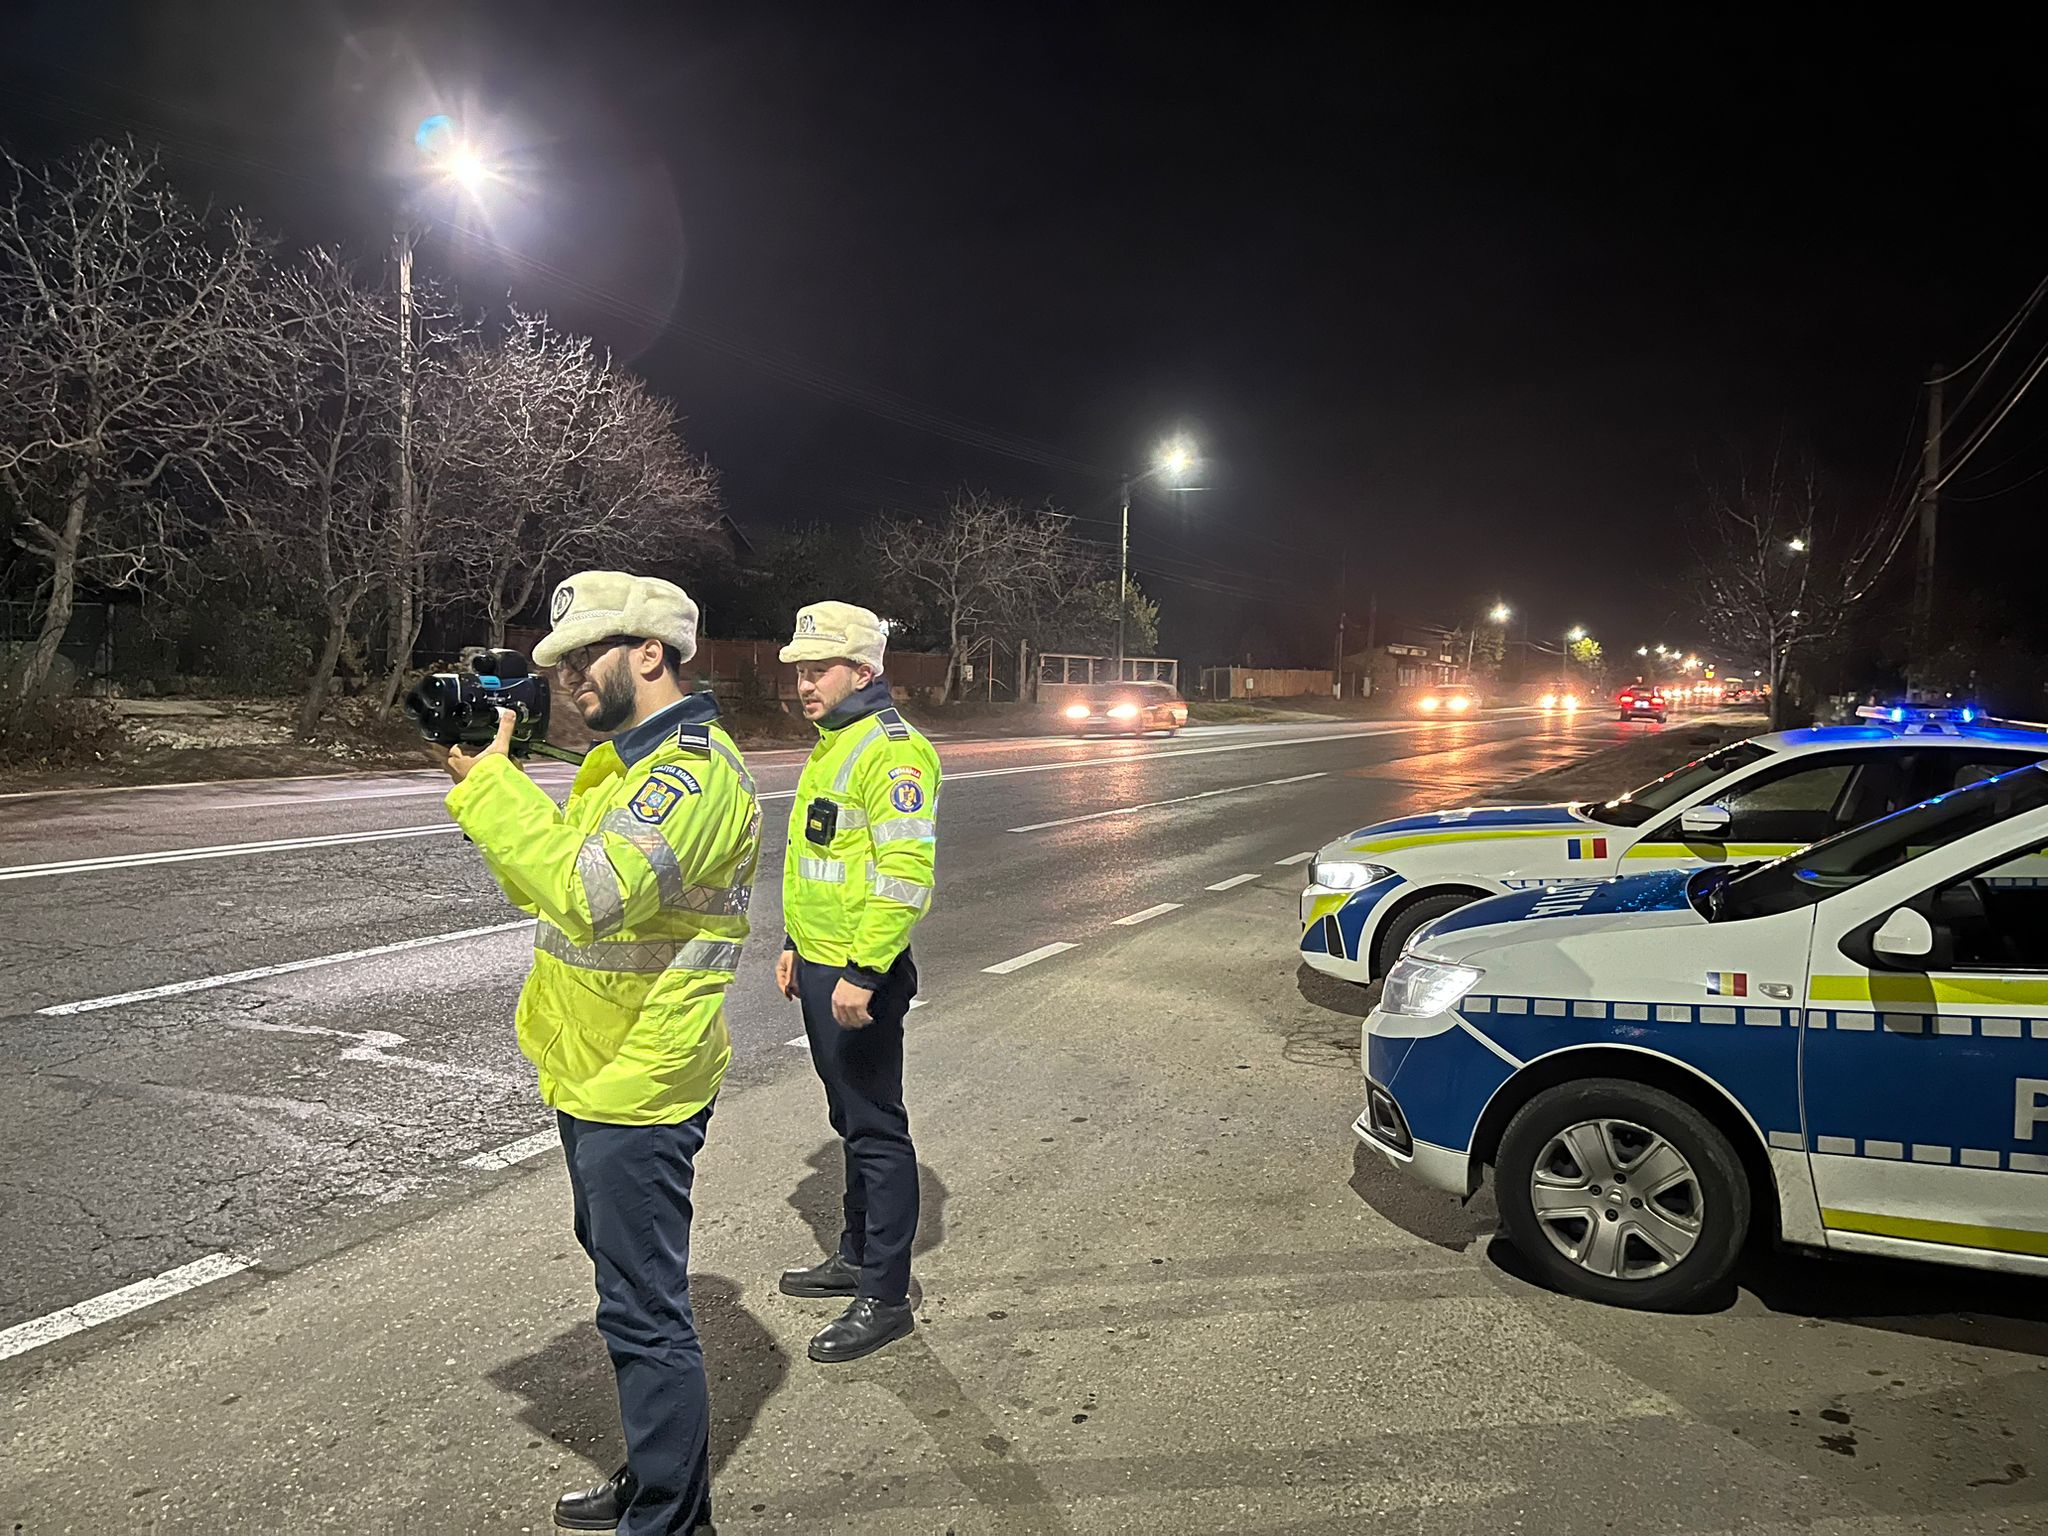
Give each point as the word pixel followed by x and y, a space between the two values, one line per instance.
pixel 1173 461
pixel 1499 613
pixel 457 162
pixel 1797 546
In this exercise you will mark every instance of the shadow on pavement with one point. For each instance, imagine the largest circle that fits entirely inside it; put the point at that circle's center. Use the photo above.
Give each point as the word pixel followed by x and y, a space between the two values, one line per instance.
pixel 1428 1214
pixel 1929 1301
pixel 816 1199
pixel 572 1400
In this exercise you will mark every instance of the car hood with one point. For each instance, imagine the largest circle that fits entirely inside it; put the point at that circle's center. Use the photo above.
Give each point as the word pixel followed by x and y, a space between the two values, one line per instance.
pixel 1443 826
pixel 1552 913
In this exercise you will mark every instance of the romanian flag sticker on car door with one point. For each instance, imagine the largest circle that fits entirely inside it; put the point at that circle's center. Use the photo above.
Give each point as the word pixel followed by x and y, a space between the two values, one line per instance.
pixel 1727 983
pixel 1585 848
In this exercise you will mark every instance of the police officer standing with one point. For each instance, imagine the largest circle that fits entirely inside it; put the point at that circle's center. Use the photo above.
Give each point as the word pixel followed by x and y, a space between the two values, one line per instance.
pixel 856 878
pixel 641 884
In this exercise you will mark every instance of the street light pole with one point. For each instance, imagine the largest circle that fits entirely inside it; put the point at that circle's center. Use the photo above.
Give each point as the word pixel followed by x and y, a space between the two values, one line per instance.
pixel 1123 578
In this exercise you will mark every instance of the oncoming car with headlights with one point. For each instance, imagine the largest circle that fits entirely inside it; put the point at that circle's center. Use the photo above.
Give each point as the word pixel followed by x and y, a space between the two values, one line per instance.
pixel 1126 709
pixel 1847 1047
pixel 1372 888
pixel 1448 700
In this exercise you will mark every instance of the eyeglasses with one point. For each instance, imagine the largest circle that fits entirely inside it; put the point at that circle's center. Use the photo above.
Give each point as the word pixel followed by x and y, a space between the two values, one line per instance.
pixel 579 661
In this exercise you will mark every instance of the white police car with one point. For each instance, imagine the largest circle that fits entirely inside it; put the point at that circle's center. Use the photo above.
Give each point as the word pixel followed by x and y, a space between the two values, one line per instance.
pixel 1370 889
pixel 1848 1046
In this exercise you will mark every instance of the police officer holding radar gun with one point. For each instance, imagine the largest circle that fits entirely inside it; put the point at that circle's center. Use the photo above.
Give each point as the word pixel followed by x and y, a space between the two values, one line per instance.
pixel 640 884
pixel 856 878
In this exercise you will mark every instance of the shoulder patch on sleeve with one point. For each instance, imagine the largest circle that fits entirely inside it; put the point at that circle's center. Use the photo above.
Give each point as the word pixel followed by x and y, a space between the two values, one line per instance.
pixel 682 776
pixel 907 795
pixel 894 725
pixel 653 800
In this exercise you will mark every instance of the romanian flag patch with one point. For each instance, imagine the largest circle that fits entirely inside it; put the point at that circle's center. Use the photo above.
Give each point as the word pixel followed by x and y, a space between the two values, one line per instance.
pixel 1585 847
pixel 1727 983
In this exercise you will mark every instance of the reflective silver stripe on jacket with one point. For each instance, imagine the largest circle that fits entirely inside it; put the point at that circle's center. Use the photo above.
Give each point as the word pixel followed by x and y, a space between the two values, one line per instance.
pixel 845 774
pixel 668 871
pixel 902 829
pixel 639 956
pixel 909 892
pixel 601 889
pixel 826 871
pixel 852 818
pixel 738 766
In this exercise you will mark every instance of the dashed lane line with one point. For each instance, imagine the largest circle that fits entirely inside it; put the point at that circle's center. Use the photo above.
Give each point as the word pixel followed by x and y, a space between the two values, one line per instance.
pixel 1018 962
pixel 1297 858
pixel 1232 883
pixel 1148 914
pixel 1153 805
pixel 110 1305
pixel 233 978
pixel 514 1151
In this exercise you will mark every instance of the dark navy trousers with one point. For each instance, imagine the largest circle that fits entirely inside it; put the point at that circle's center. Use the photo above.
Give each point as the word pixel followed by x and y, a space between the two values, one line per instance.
pixel 862 1070
pixel 632 1191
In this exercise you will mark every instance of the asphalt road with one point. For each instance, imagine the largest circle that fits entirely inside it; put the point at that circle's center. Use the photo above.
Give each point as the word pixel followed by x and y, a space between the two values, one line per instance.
pixel 1161 1287
pixel 164 1105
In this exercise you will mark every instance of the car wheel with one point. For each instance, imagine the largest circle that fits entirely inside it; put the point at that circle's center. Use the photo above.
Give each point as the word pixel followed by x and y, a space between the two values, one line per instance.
pixel 1404 923
pixel 1622 1194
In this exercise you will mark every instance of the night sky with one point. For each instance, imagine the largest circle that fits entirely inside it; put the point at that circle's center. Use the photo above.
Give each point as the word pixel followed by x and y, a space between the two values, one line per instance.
pixel 1454 308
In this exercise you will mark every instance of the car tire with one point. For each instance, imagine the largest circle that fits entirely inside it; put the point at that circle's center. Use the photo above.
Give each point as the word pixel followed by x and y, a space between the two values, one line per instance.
pixel 1387 948
pixel 1674 1252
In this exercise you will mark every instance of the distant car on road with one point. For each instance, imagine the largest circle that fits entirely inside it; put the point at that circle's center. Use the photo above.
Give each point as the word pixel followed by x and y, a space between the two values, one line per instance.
pixel 1450 699
pixel 1559 700
pixel 1127 709
pixel 1845 1048
pixel 1642 701
pixel 1372 888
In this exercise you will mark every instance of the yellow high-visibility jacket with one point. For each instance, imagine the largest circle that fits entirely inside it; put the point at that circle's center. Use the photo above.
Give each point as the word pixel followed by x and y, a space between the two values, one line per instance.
pixel 641 885
pixel 871 793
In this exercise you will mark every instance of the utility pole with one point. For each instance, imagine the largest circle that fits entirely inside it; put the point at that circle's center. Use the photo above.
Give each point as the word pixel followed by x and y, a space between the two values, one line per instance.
pixel 1343 592
pixel 1917 682
pixel 1123 578
pixel 1372 625
pixel 402 618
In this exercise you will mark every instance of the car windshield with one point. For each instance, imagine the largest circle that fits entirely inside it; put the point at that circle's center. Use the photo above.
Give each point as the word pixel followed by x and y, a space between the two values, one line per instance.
pixel 1850 858
pixel 1659 795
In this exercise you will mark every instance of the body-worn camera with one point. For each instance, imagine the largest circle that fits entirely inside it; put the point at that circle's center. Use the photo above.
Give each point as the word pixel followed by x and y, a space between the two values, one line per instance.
pixel 461 708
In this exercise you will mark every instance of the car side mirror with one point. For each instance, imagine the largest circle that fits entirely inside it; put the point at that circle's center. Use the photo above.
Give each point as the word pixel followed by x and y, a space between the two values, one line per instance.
pixel 1709 823
pixel 1905 935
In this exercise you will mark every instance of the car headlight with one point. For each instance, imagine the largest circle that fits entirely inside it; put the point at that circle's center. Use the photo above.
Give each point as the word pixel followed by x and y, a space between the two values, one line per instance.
pixel 1077 711
pixel 1430 701
pixel 1458 701
pixel 1548 701
pixel 1422 989
pixel 1123 712
pixel 1343 875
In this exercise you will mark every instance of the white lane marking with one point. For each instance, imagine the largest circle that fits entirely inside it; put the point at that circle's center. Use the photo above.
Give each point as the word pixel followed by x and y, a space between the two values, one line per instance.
pixel 1153 805
pixel 217 851
pixel 1148 914
pixel 1043 952
pixel 343 839
pixel 514 1151
pixel 232 978
pixel 1297 858
pixel 1233 882
pixel 105 1308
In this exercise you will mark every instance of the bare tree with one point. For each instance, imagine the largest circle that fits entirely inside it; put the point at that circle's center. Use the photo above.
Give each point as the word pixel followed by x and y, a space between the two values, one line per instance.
pixel 1783 561
pixel 127 325
pixel 981 567
pixel 317 506
pixel 562 460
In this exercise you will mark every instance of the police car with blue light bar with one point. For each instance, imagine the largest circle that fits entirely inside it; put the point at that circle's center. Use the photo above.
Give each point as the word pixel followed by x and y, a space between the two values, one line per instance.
pixel 1372 888
pixel 1847 1047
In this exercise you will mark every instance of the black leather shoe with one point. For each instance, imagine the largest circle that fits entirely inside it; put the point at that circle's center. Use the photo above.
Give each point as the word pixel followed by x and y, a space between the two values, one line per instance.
pixel 834 1277
pixel 596 1509
pixel 864 1328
